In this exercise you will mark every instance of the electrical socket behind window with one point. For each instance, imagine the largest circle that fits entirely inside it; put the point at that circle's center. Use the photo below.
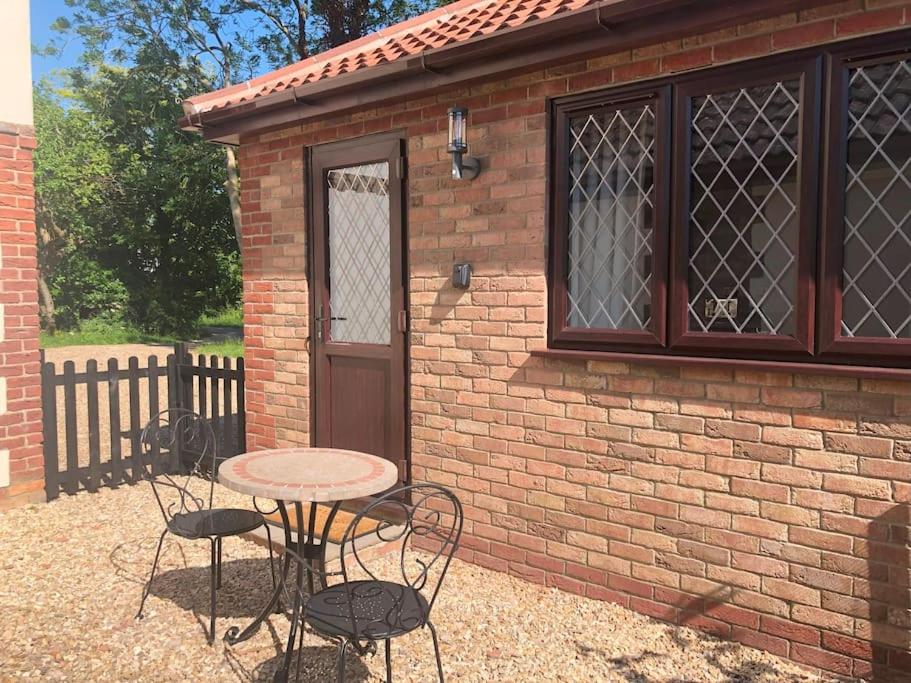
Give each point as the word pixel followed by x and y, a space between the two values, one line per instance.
pixel 721 308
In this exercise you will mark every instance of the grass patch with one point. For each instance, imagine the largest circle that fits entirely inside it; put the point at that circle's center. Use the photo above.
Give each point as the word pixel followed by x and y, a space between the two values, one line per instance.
pixel 230 317
pixel 230 347
pixel 104 332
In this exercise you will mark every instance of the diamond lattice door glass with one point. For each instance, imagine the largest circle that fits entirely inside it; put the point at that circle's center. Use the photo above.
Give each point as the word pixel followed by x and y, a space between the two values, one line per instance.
pixel 876 272
pixel 611 218
pixel 358 207
pixel 743 210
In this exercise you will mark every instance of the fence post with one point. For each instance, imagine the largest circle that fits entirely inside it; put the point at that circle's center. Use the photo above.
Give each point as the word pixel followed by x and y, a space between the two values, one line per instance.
pixel 183 388
pixel 174 394
pixel 91 395
pixel 49 427
pixel 114 422
pixel 230 445
pixel 135 420
pixel 241 407
pixel 71 483
pixel 152 365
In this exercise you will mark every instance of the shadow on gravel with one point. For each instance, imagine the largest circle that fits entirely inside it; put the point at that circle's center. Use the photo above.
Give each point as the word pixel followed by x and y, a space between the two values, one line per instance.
pixel 246 587
pixel 635 668
pixel 317 665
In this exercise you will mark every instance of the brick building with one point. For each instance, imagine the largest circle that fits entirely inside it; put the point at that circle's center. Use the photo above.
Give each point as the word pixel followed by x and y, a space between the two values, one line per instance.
pixel 21 463
pixel 679 376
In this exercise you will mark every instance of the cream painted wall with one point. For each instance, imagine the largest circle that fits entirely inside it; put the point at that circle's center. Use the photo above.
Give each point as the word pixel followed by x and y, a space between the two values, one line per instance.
pixel 15 63
pixel 16 109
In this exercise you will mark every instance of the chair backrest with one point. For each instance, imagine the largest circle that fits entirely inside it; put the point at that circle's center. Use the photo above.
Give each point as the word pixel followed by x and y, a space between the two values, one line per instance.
pixel 182 436
pixel 427 519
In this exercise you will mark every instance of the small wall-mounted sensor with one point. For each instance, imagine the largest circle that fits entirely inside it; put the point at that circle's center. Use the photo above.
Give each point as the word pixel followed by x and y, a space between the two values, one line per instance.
pixel 461 275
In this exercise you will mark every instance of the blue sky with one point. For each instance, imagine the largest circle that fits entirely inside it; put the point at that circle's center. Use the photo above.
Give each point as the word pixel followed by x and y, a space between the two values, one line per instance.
pixel 43 14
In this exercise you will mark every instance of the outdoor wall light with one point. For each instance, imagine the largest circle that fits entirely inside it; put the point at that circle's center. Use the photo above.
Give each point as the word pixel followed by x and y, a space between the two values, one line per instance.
pixel 462 166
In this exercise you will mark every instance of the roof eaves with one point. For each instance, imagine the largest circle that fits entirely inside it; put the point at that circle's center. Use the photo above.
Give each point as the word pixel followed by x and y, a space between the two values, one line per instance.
pixel 423 60
pixel 574 33
pixel 197 103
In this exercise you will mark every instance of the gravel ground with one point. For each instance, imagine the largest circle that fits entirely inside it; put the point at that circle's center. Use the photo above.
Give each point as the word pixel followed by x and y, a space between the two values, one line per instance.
pixel 122 352
pixel 70 579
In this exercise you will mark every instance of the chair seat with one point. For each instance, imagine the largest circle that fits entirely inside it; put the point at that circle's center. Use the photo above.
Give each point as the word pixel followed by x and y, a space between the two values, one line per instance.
pixel 382 609
pixel 215 522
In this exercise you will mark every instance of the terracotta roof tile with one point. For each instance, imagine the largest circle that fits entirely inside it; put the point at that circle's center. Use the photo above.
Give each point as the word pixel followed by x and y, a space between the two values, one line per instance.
pixel 458 22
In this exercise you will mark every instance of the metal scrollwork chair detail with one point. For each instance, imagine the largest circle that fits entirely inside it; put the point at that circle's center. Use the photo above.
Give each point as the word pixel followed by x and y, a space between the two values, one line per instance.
pixel 182 436
pixel 427 519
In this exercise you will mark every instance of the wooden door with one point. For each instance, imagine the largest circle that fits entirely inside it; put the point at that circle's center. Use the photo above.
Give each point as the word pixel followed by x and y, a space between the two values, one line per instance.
pixel 358 297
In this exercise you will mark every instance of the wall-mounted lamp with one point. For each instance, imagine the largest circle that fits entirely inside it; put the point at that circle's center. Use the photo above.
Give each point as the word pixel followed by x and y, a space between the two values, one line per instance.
pixel 462 166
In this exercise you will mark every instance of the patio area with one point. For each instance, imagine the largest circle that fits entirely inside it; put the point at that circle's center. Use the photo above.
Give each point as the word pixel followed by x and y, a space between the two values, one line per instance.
pixel 73 571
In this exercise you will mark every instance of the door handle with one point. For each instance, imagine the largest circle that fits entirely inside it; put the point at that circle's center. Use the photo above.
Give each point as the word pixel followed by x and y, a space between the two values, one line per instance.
pixel 320 319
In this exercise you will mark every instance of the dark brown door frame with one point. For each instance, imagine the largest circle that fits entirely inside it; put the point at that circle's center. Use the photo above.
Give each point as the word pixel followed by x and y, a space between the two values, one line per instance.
pixel 347 152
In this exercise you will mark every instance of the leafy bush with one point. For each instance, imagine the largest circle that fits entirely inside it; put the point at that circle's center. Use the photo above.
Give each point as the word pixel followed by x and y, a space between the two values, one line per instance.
pixel 83 290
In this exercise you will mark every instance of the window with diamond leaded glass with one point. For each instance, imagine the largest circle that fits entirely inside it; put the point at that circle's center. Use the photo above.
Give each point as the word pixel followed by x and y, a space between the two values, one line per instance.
pixel 743 209
pixel 742 217
pixel 866 283
pixel 876 268
pixel 611 206
pixel 609 209
pixel 358 204
pixel 789 232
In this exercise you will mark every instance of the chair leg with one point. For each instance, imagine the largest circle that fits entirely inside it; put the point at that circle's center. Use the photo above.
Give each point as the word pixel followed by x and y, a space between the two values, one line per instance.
pixel 342 651
pixel 148 586
pixel 436 650
pixel 388 660
pixel 213 584
pixel 300 649
pixel 218 569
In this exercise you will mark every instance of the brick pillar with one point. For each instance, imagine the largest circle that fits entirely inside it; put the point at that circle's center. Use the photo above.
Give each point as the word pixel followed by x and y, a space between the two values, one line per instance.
pixel 21 462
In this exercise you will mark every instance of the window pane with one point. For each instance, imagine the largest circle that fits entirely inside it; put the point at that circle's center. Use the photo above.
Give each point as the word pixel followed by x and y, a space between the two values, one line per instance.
pixel 876 278
pixel 743 220
pixel 359 253
pixel 611 216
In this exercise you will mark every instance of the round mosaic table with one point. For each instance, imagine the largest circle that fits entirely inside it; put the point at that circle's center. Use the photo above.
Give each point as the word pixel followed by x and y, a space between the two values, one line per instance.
pixel 297 476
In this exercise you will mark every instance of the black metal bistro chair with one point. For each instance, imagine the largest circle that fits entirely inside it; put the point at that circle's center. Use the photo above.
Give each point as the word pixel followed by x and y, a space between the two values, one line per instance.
pixel 178 454
pixel 357 614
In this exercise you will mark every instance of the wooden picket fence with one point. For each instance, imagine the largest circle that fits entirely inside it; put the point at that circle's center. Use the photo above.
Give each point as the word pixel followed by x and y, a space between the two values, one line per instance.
pixel 92 420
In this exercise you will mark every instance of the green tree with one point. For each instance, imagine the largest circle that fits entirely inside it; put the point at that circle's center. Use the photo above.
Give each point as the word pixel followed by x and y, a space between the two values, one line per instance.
pixel 172 237
pixel 151 207
pixel 73 176
pixel 151 214
pixel 219 42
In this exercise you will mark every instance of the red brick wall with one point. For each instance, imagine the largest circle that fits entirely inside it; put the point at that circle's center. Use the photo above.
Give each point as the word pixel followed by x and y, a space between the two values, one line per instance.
pixel 768 508
pixel 20 384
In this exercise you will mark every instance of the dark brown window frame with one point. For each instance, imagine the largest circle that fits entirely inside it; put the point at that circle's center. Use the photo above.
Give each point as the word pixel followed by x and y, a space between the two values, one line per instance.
pixel 806 70
pixel 817 340
pixel 566 108
pixel 832 345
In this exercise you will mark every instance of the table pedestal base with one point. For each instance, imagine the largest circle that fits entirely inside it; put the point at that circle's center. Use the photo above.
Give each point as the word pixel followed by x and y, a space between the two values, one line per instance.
pixel 309 551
